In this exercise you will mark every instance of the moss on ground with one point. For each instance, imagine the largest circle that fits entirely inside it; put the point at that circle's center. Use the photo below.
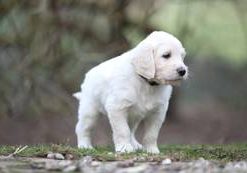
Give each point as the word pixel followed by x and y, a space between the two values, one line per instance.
pixel 231 152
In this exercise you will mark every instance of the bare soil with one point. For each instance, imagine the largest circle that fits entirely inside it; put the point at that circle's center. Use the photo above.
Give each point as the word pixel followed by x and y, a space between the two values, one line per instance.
pixel 89 165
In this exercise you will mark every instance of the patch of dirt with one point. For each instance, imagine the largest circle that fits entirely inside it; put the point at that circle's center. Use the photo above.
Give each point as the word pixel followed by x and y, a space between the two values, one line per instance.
pixel 90 165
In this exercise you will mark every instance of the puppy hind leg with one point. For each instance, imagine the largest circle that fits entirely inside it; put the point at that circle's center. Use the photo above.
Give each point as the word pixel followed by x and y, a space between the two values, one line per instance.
pixel 86 120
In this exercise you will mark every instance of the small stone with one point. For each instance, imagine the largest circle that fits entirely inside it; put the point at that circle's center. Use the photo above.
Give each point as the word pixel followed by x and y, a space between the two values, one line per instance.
pixel 50 156
pixel 59 156
pixel 95 163
pixel 56 156
pixel 166 162
pixel 69 157
pixel 140 159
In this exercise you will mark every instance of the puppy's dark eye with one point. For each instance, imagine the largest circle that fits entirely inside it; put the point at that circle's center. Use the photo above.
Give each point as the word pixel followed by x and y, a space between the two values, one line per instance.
pixel 167 55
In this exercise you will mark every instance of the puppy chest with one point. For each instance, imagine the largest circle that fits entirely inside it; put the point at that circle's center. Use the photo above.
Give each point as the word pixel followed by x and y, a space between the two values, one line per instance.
pixel 145 105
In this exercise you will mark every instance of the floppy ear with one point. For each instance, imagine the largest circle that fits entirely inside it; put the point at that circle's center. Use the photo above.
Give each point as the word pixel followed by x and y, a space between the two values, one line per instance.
pixel 144 61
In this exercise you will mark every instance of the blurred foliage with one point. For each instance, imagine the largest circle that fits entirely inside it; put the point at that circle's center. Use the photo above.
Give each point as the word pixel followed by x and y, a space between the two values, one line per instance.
pixel 46 46
pixel 208 28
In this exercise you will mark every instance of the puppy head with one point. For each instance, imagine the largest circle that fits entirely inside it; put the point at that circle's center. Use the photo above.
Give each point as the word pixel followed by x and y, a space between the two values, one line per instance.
pixel 160 58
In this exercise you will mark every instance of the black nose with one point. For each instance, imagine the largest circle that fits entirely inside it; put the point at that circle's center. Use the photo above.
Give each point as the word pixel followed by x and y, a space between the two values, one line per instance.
pixel 181 71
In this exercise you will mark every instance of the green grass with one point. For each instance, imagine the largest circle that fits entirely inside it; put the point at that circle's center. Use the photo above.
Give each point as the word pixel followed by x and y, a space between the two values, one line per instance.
pixel 232 152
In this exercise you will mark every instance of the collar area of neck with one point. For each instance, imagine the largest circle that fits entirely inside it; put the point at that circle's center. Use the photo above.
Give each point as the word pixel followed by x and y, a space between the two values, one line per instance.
pixel 150 82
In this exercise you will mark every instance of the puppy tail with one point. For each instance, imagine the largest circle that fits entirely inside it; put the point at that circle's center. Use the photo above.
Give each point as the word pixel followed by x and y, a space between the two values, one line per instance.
pixel 77 95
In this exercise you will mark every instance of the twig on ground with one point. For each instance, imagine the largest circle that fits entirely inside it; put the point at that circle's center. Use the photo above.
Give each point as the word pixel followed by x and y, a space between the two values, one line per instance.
pixel 17 151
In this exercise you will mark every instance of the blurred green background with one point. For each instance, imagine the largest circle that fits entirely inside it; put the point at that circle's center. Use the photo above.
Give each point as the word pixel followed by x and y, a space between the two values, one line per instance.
pixel 46 47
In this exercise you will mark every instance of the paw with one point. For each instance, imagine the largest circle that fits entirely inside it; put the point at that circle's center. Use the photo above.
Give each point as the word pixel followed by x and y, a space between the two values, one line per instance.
pixel 136 145
pixel 85 146
pixel 152 150
pixel 124 148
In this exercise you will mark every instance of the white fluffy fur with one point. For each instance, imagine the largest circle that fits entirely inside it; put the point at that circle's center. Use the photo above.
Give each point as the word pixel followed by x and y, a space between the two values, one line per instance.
pixel 115 88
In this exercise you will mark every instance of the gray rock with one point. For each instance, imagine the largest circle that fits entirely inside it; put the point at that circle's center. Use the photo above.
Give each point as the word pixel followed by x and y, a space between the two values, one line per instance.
pixel 59 156
pixel 56 156
pixel 237 166
pixel 55 165
pixel 70 168
pixel 135 169
pixel 126 163
pixel 95 163
pixel 108 167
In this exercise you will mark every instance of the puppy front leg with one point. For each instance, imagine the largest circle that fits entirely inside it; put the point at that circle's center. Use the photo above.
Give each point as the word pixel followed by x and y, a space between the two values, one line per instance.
pixel 121 130
pixel 134 142
pixel 152 127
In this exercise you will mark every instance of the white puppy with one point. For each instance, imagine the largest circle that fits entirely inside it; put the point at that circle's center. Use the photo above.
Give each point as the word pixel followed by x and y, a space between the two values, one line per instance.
pixel 129 88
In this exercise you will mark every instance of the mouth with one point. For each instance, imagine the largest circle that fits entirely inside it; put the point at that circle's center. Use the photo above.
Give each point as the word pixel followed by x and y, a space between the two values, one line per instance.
pixel 175 82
